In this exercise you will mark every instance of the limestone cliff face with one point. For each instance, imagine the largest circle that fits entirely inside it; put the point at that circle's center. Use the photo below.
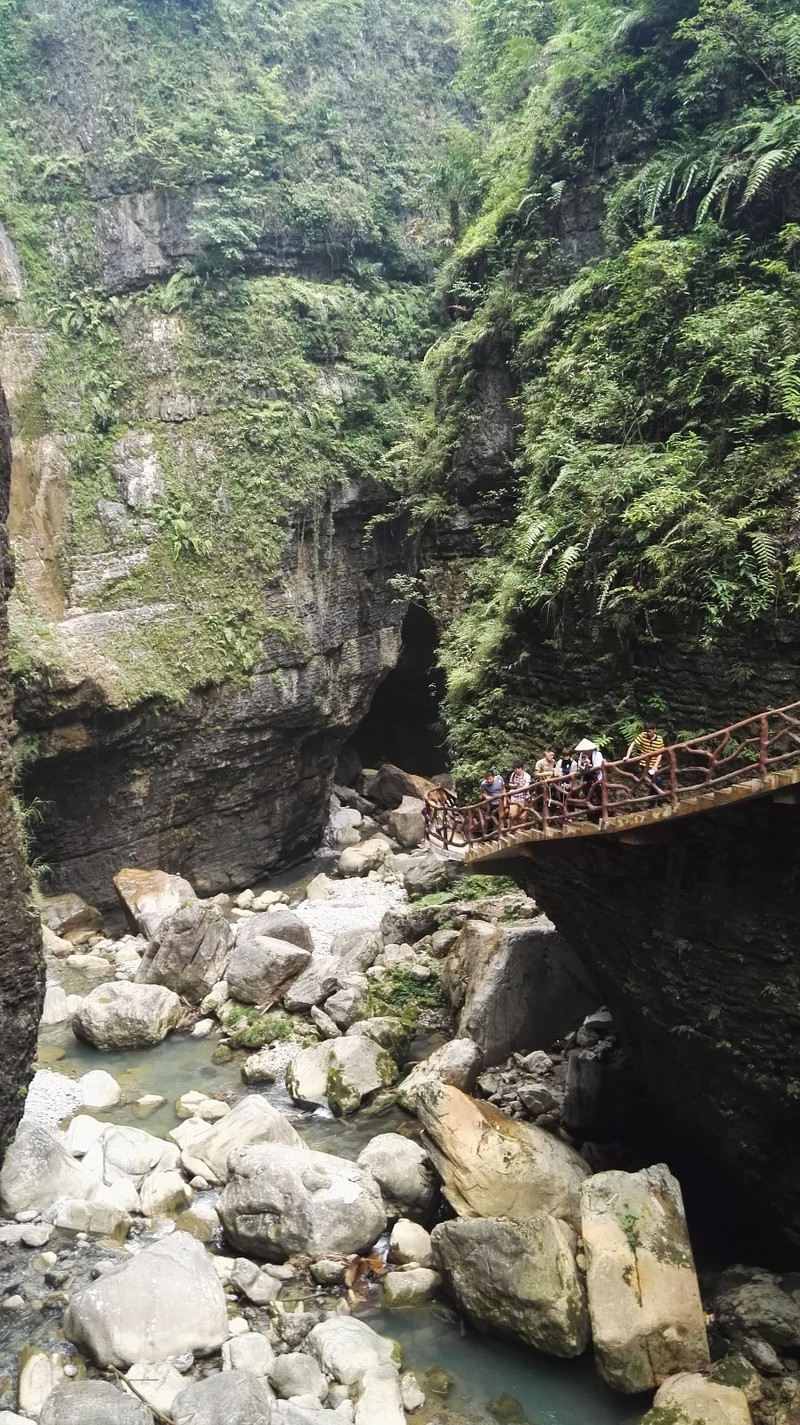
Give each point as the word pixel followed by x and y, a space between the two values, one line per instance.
pixel 693 940
pixel 21 965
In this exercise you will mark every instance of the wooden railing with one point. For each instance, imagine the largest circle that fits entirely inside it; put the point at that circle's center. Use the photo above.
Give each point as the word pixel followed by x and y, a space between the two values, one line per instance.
pixel 745 751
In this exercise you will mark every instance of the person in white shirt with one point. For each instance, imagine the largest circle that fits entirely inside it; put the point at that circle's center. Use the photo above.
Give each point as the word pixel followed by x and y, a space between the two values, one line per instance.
pixel 518 792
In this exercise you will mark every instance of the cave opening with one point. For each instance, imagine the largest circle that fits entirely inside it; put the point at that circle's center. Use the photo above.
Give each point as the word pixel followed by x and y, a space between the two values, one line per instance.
pixel 403 724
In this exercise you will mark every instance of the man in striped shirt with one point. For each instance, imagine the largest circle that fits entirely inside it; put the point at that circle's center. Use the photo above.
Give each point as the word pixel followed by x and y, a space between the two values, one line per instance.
pixel 649 745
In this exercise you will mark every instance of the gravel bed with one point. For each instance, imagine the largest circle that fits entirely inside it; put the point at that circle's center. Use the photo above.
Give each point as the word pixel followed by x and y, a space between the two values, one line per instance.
pixel 355 904
pixel 51 1097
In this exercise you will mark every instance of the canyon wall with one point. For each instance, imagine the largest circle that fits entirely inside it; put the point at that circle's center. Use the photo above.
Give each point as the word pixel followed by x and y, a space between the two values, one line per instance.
pixel 21 965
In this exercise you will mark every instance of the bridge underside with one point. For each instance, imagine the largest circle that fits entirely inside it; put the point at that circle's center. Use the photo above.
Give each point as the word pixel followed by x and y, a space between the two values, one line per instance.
pixel 635 827
pixel 690 924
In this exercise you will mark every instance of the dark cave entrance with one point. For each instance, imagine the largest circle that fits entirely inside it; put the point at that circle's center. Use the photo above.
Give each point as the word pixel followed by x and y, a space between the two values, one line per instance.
pixel 403 724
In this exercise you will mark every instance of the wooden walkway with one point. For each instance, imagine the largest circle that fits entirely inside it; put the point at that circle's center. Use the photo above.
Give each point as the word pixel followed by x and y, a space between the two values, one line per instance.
pixel 759 757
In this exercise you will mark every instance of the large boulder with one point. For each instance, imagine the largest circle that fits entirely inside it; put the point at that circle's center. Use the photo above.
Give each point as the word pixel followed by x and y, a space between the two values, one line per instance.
pixel 356 950
pixel 339 1072
pixel 691 1399
pixel 260 967
pixel 252 1121
pixel 494 1166
pixel 224 1398
pixel 67 915
pixel 517 1278
pixel 283 1200
pixel 350 1002
pixel 457 1063
pixel 346 1348
pixel 319 980
pixel 189 951
pixel 166 1300
pixel 279 923
pixel 123 1015
pixel 644 1301
pixel 515 986
pixel 406 824
pixel 752 1302
pixel 403 1172
pixel 360 860
pixel 392 784
pixel 80 1401
pixel 129 1154
pixel 149 897
pixel 38 1171
pixel 380 1399
pixel 297 1374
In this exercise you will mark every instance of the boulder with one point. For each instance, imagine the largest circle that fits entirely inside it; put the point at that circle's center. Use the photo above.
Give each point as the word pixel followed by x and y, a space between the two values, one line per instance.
pixel 323 1022
pixel 296 1374
pixel 644 1301
pixel 99 1089
pixel 392 784
pixel 163 1302
pixel 348 1003
pixel 225 1398
pixel 319 980
pixel 346 1348
pixel 380 1399
pixel 268 1064
pixel 54 1006
pixel 403 1172
pixel 165 1195
pixel 750 1302
pixel 123 1015
pixel 410 1243
pixel 194 1104
pixel 67 915
pixel 130 1154
pixel 39 1373
pixel 430 873
pixel 515 986
pixel 280 923
pixel 150 896
pixel 260 968
pixel 391 1033
pixel 406 824
pixel 493 1166
pixel 356 950
pixel 320 888
pixel 248 1279
pixel 251 1352
pixel 410 1289
pixel 690 1399
pixel 79 1401
pixel 189 951
pixel 516 1278
pixel 38 1170
pixel 339 1072
pixel 282 1200
pixel 99 1218
pixel 360 860
pixel 252 1121
pixel 81 1134
pixel 457 1063
pixel 159 1383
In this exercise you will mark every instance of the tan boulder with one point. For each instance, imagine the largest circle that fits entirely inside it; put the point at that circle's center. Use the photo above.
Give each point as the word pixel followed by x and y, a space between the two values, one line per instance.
pixel 644 1301
pixel 691 1399
pixel 492 1166
pixel 150 896
pixel 392 784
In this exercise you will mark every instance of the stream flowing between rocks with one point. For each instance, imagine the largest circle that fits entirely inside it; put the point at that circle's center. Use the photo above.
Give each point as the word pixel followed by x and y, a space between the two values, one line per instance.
pixel 474 1377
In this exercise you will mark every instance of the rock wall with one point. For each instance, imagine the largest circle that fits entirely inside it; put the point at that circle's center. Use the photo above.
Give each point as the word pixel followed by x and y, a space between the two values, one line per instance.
pixel 692 938
pixel 21 965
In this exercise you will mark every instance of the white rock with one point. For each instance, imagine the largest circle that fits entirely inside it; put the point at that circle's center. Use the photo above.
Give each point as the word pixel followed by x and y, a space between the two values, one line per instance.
pixel 124 1015
pixel 165 1195
pixel 251 1352
pixel 380 1400
pixel 319 889
pixel 39 1373
pixel 252 1121
pixel 54 1009
pixel 74 1215
pixel 346 1349
pixel 82 1132
pixel 129 1153
pixel 121 1194
pixel 99 1089
pixel 194 1104
pixel 413 1397
pixel 403 1172
pixel 414 1287
pixel 297 1374
pixel 38 1170
pixel 202 1029
pixel 457 1063
pixel 410 1243
pixel 159 1383
pixel 690 1399
pixel 340 1072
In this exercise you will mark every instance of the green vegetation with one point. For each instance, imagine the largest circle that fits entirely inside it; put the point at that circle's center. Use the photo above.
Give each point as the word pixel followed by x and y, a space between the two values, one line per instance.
pixel 399 995
pixel 248 1027
pixel 469 888
pixel 227 221
pixel 633 268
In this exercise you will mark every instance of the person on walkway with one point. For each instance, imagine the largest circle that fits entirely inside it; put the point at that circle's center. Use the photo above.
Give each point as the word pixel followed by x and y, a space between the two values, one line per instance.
pixel 546 765
pixel 493 791
pixel 518 792
pixel 590 767
pixel 649 745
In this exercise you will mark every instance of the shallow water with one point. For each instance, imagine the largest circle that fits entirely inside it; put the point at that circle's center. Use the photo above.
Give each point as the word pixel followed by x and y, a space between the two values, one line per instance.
pixel 549 1392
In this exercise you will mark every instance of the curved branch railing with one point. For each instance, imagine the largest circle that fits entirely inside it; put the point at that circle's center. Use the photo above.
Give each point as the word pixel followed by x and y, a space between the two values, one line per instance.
pixel 746 750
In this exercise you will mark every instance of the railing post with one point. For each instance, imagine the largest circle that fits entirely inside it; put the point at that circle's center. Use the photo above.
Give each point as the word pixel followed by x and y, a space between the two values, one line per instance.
pixel 603 797
pixel 468 826
pixel 762 744
pixel 673 779
pixel 543 814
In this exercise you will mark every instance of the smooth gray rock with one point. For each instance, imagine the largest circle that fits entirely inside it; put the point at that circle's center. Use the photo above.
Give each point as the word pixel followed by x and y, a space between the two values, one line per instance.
pixel 92 1402
pixel 260 968
pixel 349 1002
pixel 123 1015
pixel 189 952
pixel 297 1374
pixel 406 823
pixel 149 897
pixel 457 1064
pixel 283 1200
pixel 163 1302
pixel 319 980
pixel 403 1172
pixel 226 1398
pixel 339 1072
pixel 750 1301
pixel 346 1348
pixel 279 923
pixel 129 1153
pixel 38 1170
pixel 253 1120
pixel 356 950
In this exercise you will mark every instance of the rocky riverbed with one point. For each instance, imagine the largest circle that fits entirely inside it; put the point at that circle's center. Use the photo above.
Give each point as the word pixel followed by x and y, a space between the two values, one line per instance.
pixel 285 1155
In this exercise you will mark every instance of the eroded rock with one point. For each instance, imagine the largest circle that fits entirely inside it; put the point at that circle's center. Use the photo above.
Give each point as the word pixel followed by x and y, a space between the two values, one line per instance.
pixel 123 1015
pixel 189 952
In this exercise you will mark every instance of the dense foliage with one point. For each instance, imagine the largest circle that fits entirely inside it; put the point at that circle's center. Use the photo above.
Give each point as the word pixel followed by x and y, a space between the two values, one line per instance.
pixel 634 265
pixel 227 219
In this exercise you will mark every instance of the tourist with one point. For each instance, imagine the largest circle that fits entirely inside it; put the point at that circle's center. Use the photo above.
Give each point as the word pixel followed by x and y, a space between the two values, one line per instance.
pixel 649 745
pixel 590 766
pixel 546 766
pixel 518 792
pixel 493 790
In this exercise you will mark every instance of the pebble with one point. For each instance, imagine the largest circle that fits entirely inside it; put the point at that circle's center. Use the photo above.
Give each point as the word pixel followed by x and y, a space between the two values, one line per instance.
pixel 354 904
pixel 51 1097
pixel 29 1214
pixel 38 1235
pixel 12 1303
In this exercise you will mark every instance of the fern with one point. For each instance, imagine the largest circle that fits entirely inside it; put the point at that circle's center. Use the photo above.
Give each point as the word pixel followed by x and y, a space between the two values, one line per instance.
pixel 566 561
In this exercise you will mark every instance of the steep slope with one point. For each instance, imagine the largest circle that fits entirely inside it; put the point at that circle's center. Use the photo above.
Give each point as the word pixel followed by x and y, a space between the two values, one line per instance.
pixel 215 274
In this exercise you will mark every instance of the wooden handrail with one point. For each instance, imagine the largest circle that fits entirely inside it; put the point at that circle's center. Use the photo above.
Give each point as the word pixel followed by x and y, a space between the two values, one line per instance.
pixel 754 747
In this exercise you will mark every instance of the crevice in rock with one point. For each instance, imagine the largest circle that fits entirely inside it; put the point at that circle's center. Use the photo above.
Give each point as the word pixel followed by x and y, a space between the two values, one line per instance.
pixel 403 724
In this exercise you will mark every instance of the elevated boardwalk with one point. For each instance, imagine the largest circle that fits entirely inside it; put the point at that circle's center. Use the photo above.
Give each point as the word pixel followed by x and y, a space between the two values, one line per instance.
pixel 759 757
